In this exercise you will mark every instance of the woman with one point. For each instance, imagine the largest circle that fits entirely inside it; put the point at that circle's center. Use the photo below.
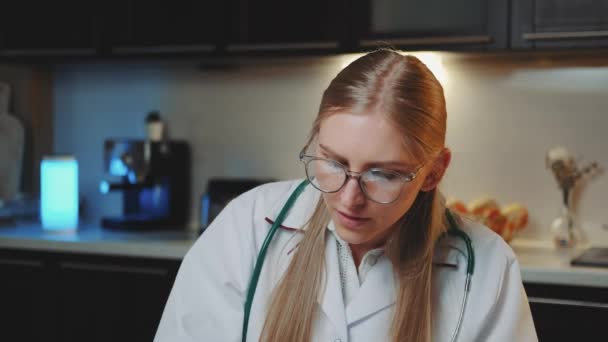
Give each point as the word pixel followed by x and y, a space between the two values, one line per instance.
pixel 363 254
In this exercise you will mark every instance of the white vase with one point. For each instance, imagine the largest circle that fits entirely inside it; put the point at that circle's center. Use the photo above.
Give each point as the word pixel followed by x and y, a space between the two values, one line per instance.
pixel 565 231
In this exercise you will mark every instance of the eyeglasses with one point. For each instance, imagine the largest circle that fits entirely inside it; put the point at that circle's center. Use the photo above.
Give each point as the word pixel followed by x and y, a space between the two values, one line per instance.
pixel 379 185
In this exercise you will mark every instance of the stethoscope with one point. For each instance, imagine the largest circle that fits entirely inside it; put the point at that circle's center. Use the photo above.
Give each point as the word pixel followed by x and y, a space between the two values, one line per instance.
pixel 454 230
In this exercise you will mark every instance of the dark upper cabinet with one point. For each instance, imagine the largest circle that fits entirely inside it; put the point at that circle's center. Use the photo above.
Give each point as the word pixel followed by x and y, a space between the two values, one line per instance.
pixel 163 26
pixel 549 24
pixel 270 25
pixel 432 24
pixel 138 27
pixel 41 28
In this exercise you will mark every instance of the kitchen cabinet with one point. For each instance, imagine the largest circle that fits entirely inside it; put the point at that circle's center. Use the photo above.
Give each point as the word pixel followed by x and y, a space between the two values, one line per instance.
pixel 49 28
pixel 432 24
pixel 568 313
pixel 241 27
pixel 25 294
pixel 550 24
pixel 78 297
pixel 275 25
pixel 163 26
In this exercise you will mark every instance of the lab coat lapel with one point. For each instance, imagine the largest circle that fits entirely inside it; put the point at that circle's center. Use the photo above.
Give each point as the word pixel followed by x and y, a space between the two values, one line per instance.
pixel 332 303
pixel 376 293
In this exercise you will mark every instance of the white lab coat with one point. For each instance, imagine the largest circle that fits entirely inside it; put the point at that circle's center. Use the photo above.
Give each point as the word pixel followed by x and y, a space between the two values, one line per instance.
pixel 206 302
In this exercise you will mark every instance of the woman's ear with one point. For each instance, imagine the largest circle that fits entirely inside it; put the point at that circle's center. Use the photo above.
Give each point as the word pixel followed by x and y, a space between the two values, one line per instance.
pixel 440 165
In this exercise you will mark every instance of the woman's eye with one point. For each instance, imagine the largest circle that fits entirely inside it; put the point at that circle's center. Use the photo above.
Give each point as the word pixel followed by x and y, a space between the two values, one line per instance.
pixel 381 175
pixel 335 165
pixel 329 165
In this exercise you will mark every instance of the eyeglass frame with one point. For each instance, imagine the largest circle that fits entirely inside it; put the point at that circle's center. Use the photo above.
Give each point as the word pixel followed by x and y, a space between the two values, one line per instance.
pixel 305 159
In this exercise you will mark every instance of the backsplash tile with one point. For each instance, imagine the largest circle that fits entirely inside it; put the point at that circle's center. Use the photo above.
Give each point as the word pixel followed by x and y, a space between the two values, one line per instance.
pixel 251 120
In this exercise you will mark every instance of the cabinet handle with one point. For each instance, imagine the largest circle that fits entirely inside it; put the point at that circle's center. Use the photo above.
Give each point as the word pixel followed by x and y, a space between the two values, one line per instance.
pixel 282 46
pixel 564 35
pixel 162 49
pixel 567 302
pixel 113 268
pixel 20 262
pixel 47 52
pixel 427 41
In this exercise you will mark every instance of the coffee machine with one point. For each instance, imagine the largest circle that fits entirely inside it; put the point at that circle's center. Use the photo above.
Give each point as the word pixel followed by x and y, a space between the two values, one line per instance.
pixel 154 180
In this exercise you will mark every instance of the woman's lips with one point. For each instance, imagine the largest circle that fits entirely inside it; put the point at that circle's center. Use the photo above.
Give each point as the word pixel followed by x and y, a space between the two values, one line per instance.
pixel 350 221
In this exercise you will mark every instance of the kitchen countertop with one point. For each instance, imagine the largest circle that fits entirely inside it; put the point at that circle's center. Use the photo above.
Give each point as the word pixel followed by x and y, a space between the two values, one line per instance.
pixel 540 261
pixel 91 239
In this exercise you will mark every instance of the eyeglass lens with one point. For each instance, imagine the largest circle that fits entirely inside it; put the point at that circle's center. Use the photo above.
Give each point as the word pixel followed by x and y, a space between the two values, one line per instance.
pixel 379 185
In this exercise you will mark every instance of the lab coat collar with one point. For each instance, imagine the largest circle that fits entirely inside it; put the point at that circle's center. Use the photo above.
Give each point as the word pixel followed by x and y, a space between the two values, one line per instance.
pixel 449 252
pixel 302 210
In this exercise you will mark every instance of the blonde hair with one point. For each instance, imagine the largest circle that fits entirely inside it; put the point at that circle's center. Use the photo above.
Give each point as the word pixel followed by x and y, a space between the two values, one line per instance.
pixel 404 90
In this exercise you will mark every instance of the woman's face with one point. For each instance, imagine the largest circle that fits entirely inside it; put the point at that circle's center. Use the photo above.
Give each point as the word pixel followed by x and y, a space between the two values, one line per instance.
pixel 360 142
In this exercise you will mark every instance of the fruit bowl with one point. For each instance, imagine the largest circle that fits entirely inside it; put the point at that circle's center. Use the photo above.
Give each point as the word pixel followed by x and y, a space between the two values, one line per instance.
pixel 505 221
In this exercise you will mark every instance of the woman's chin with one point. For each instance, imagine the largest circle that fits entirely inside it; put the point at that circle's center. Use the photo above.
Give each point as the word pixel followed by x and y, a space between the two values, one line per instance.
pixel 352 237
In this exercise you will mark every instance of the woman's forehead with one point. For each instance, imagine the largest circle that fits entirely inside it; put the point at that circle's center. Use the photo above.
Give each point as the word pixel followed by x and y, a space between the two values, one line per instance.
pixel 365 139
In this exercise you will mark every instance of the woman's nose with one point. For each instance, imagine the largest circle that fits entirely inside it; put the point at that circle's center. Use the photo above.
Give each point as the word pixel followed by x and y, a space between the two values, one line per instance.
pixel 351 194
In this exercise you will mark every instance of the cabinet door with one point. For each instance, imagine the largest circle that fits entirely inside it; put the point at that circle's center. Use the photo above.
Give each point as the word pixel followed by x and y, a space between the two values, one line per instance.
pixel 26 304
pixel 112 301
pixel 549 24
pixel 164 26
pixel 275 25
pixel 568 313
pixel 48 28
pixel 432 24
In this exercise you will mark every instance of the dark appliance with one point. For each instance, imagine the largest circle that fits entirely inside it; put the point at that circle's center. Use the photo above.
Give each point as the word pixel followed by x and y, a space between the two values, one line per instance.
pixel 219 192
pixel 592 257
pixel 154 181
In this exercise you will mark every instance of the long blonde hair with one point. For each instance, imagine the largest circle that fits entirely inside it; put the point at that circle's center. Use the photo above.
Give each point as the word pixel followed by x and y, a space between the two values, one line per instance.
pixel 404 90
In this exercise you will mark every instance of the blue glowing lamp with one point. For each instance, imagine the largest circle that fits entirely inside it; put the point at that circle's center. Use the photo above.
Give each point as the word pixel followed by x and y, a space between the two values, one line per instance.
pixel 59 193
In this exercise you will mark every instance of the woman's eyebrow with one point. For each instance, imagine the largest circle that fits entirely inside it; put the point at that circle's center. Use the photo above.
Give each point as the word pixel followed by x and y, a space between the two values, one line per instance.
pixel 387 164
pixel 328 150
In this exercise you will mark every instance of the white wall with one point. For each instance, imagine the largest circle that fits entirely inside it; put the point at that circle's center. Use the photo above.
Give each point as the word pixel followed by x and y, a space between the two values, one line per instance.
pixel 250 121
pixel 244 122
pixel 503 116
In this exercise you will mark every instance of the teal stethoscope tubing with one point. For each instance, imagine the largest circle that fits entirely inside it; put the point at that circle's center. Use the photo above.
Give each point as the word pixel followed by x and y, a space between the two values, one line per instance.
pixel 454 231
